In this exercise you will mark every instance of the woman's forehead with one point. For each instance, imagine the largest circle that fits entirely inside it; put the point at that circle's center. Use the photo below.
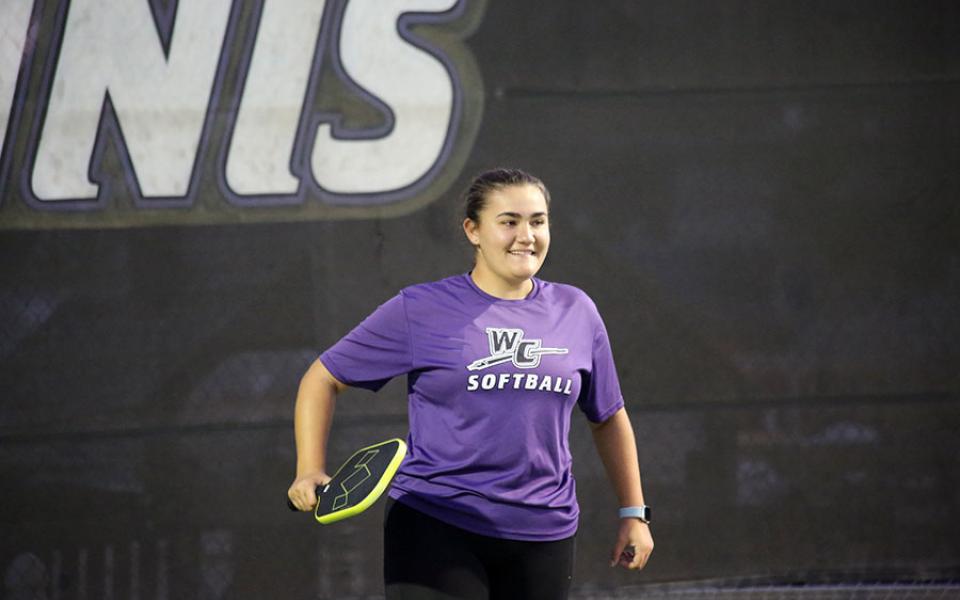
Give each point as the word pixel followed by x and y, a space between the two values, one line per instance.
pixel 520 199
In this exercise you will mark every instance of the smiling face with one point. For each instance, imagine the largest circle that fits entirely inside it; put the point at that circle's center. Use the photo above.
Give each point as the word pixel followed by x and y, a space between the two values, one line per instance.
pixel 512 236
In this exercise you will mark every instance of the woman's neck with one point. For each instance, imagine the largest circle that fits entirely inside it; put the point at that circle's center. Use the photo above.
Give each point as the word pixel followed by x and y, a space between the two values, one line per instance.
pixel 498 287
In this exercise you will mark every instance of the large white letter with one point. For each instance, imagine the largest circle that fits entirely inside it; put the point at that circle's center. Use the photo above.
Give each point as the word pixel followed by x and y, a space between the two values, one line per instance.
pixel 14 22
pixel 161 103
pixel 258 161
pixel 413 83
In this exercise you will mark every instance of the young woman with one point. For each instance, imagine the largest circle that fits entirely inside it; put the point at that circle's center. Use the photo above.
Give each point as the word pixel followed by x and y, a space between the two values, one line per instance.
pixel 484 504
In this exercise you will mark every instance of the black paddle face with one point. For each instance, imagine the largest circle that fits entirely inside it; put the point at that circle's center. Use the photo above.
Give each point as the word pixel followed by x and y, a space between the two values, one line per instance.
pixel 357 478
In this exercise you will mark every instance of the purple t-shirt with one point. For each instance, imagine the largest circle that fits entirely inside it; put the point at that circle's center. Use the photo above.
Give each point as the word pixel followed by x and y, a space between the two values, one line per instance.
pixel 491 385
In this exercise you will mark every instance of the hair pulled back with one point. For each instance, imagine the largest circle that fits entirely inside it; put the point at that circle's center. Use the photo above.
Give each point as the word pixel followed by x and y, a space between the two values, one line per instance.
pixel 497 179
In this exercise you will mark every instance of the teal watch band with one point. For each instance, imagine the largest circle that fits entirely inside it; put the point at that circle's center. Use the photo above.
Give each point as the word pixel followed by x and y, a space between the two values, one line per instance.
pixel 636 512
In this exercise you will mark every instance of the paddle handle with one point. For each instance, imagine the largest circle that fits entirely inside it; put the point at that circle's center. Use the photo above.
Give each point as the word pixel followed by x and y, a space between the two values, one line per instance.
pixel 290 505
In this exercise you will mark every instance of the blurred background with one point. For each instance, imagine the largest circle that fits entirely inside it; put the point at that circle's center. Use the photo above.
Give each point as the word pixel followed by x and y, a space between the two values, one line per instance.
pixel 761 197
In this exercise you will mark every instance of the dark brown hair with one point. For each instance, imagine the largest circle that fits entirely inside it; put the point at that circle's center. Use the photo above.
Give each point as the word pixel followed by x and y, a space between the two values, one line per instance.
pixel 496 179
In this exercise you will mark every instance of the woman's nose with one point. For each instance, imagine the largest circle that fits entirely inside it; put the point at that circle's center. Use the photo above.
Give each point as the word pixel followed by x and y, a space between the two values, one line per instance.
pixel 525 232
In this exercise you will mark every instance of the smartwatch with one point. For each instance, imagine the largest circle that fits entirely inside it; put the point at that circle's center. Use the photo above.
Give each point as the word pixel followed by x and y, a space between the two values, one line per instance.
pixel 637 512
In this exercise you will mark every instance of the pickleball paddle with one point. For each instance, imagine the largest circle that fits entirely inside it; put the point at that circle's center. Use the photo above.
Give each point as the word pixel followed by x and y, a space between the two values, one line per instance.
pixel 359 481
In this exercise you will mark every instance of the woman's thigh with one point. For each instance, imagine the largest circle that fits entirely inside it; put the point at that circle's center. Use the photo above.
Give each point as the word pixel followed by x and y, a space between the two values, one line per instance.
pixel 426 559
pixel 531 570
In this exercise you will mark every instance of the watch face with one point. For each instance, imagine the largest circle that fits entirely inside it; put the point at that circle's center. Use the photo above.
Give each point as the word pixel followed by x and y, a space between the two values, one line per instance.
pixel 646 514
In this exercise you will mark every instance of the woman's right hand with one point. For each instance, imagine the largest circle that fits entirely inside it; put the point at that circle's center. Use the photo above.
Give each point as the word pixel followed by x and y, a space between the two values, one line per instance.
pixel 302 492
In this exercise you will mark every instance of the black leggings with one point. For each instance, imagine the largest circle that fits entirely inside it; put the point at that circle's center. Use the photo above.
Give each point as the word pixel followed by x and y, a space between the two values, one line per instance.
pixel 427 559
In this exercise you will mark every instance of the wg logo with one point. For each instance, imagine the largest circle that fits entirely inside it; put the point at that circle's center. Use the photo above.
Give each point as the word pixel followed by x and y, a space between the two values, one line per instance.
pixel 509 345
pixel 118 113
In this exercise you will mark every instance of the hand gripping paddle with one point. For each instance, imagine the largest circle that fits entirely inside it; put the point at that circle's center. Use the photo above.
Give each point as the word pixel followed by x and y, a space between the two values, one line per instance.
pixel 358 482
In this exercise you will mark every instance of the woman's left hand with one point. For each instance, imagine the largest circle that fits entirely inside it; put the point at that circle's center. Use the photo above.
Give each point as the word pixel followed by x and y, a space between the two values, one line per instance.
pixel 634 544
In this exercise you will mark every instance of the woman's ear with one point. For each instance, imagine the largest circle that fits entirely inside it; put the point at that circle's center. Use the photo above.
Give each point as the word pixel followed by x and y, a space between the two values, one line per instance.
pixel 470 230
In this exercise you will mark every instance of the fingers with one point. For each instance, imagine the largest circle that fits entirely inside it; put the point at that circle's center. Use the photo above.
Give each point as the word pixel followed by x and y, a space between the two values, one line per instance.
pixel 625 557
pixel 619 553
pixel 303 492
pixel 634 545
pixel 630 558
pixel 639 561
pixel 302 500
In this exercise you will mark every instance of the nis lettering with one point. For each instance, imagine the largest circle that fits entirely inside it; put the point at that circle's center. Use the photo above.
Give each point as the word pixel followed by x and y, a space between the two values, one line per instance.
pixel 155 77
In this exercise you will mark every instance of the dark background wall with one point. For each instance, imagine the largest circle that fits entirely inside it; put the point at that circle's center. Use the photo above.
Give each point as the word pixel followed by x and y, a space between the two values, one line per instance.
pixel 761 197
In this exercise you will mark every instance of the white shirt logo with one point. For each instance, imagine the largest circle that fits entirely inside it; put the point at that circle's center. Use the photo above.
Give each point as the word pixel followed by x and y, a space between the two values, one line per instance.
pixel 509 345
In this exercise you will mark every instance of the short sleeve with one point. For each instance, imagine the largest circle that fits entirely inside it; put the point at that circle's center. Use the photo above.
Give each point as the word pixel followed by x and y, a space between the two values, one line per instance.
pixel 377 349
pixel 600 396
